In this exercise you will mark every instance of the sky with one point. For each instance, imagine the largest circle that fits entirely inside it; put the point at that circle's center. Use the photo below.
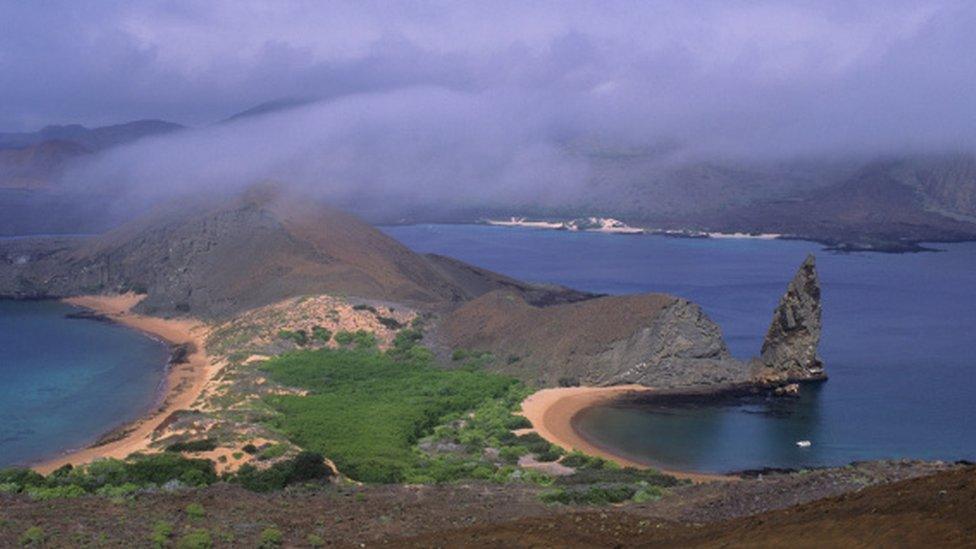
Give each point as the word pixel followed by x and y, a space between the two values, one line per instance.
pixel 488 90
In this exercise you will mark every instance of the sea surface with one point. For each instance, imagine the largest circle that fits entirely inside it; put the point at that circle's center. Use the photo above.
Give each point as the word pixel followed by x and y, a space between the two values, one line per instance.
pixel 64 382
pixel 899 342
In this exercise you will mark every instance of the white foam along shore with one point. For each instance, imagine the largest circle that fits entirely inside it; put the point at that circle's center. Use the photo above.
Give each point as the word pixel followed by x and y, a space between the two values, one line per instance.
pixel 589 224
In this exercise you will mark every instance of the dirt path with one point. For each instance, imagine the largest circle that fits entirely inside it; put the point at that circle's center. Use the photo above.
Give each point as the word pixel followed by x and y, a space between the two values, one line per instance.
pixel 184 382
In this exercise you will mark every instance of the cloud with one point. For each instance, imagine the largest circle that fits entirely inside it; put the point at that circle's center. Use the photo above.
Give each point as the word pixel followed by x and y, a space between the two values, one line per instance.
pixel 416 99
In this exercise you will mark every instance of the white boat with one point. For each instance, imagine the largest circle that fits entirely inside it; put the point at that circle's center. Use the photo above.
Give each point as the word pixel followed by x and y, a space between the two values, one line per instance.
pixel 804 443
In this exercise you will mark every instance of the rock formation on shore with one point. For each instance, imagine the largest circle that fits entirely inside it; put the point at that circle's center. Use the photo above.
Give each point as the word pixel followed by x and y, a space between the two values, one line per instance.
pixel 789 351
pixel 650 339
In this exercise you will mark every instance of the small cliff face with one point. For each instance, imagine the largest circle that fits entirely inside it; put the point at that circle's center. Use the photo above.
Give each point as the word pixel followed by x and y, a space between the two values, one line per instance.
pixel 789 351
pixel 649 339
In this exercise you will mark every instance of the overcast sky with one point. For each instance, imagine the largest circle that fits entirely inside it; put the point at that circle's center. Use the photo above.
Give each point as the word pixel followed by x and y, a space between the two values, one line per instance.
pixel 424 94
pixel 887 70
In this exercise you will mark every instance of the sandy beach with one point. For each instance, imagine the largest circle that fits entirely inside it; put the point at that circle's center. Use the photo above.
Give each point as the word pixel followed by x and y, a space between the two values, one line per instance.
pixel 551 412
pixel 184 382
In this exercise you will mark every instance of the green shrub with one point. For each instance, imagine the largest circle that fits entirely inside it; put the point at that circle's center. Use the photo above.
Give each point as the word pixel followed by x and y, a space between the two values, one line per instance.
pixel 620 475
pixel 344 337
pixel 250 449
pixel 321 334
pixel 517 422
pixel 648 493
pixel 569 382
pixel 162 468
pixel 579 460
pixel 21 477
pixel 315 540
pixel 273 451
pixel 306 466
pixel 299 337
pixel 364 307
pixel 366 410
pixel 197 539
pixel 201 445
pixel 390 323
pixel 195 511
pixel 550 454
pixel 364 340
pixel 162 531
pixel 118 491
pixel 33 536
pixel 271 537
pixel 55 492
pixel 511 454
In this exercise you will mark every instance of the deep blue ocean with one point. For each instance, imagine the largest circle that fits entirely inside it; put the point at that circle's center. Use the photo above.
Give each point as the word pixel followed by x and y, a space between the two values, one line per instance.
pixel 899 342
pixel 65 382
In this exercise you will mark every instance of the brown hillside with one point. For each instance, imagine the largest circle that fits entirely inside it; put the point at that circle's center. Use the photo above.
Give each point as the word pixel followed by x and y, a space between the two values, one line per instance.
pixel 214 258
pixel 652 339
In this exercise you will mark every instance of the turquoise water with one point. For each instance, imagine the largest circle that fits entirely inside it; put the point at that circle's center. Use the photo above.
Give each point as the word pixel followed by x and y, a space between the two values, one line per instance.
pixel 899 342
pixel 66 381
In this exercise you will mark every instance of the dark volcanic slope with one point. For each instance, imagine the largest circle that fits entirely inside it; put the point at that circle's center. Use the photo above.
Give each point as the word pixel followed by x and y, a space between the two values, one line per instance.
pixel 213 260
pixel 888 205
pixel 653 339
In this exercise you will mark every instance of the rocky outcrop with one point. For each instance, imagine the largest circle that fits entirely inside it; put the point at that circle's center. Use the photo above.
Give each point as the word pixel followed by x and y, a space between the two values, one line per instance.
pixel 681 347
pixel 789 351
pixel 650 339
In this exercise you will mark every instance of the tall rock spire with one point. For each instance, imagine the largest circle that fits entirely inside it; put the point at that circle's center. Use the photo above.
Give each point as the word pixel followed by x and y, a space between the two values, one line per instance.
pixel 789 352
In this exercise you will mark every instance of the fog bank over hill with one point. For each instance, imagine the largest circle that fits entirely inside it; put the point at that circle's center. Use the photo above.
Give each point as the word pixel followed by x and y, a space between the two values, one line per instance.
pixel 438 112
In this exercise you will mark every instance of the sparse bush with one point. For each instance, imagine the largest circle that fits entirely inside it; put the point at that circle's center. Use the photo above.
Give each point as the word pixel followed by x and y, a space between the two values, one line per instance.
pixel 299 337
pixel 162 531
pixel 271 537
pixel 344 337
pixel 364 307
pixel 321 334
pixel 201 445
pixel 389 323
pixel 569 382
pixel 195 511
pixel 32 537
pixel 197 539
pixel 273 451
pixel 517 422
pixel 55 492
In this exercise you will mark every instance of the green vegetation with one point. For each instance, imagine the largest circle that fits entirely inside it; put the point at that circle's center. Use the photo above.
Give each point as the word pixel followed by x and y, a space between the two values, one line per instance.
pixel 368 409
pixel 195 511
pixel 360 339
pixel 202 445
pixel 119 479
pixel 364 307
pixel 33 536
pixel 299 337
pixel 196 539
pixel 389 323
pixel 305 467
pixel 162 531
pixel 321 334
pixel 271 537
